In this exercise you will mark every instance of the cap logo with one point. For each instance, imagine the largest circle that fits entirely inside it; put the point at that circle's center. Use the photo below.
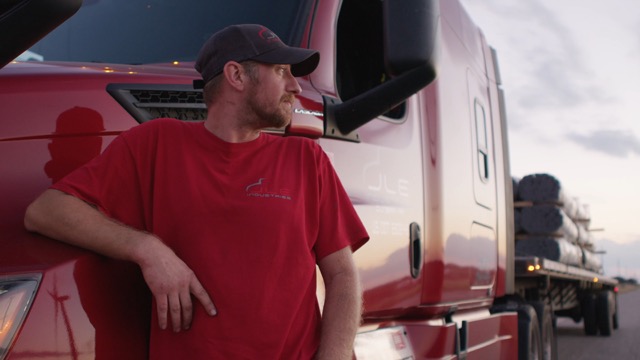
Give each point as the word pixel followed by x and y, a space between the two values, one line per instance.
pixel 268 35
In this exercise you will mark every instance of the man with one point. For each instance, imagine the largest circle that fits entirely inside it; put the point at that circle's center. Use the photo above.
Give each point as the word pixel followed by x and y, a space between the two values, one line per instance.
pixel 225 213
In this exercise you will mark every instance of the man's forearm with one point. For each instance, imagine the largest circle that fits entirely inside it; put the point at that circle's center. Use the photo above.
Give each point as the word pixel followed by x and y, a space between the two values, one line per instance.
pixel 71 220
pixel 341 315
pixel 66 218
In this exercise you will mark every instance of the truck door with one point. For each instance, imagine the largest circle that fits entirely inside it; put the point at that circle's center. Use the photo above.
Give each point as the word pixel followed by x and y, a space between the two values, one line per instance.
pixel 381 167
pixel 461 188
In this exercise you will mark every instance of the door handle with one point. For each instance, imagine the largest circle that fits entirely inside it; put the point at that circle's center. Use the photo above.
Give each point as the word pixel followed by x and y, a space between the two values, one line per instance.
pixel 415 249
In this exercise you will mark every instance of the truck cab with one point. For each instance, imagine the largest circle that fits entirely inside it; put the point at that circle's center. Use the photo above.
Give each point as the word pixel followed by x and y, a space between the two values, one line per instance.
pixel 406 101
pixel 420 154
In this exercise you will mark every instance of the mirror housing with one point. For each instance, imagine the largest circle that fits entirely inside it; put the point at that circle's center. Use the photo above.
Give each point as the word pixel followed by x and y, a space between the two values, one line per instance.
pixel 410 39
pixel 410 52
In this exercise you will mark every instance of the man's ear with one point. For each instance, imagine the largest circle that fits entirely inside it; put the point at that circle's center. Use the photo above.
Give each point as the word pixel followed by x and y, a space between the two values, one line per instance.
pixel 233 72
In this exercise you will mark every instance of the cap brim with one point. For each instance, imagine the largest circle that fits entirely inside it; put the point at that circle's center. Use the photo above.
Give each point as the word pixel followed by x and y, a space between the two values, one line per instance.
pixel 302 61
pixel 198 84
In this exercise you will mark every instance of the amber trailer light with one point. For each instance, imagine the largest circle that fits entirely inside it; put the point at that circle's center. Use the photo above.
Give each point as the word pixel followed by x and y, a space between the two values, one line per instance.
pixel 16 295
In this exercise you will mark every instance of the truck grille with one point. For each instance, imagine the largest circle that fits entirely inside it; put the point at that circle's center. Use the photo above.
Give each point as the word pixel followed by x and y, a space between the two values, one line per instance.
pixel 150 101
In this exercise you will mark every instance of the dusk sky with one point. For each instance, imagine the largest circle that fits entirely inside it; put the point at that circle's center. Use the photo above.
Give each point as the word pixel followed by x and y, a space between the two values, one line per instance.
pixel 571 74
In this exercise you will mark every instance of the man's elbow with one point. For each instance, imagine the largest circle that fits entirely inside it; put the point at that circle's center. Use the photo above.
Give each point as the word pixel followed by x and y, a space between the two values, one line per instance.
pixel 39 212
pixel 31 216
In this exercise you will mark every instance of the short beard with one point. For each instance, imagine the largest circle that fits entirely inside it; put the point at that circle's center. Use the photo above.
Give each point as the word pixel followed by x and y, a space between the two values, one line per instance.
pixel 262 118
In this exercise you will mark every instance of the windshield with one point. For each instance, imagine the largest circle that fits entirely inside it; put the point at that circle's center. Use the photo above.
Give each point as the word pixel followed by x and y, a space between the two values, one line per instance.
pixel 160 31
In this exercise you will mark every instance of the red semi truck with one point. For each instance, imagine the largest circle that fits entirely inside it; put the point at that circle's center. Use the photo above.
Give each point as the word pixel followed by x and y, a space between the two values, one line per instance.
pixel 406 101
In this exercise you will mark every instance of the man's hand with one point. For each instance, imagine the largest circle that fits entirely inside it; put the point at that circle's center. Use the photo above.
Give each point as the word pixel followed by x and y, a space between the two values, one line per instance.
pixel 71 220
pixel 171 282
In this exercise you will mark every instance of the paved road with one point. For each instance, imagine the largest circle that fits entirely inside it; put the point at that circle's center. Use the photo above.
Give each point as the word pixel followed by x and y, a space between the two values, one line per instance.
pixel 623 344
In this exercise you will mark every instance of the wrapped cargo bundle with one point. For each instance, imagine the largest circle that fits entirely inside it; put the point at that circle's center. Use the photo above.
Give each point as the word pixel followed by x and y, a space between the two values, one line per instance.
pixel 582 215
pixel 545 188
pixel 591 261
pixel 551 224
pixel 514 187
pixel 556 249
pixel 517 220
pixel 548 219
pixel 584 236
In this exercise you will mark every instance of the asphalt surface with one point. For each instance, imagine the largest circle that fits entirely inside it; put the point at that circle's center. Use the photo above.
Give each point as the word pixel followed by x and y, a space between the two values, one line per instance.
pixel 573 344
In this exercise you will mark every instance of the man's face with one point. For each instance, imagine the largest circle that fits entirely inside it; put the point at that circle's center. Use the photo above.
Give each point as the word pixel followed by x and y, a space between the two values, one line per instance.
pixel 271 95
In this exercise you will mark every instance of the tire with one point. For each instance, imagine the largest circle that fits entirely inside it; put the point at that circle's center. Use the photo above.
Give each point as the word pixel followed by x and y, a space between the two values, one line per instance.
pixel 615 314
pixel 589 317
pixel 529 341
pixel 548 340
pixel 605 312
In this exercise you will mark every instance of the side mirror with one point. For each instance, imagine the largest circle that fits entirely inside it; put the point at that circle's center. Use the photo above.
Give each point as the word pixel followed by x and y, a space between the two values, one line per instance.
pixel 411 42
pixel 24 22
pixel 411 33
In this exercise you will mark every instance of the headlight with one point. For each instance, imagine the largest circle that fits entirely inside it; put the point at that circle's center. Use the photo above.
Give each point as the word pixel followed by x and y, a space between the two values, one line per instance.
pixel 16 295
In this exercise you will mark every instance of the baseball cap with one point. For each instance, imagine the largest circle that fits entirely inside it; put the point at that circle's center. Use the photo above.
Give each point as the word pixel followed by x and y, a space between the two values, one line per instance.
pixel 251 42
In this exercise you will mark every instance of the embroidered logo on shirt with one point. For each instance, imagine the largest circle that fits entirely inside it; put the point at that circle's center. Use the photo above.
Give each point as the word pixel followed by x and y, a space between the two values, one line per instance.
pixel 262 189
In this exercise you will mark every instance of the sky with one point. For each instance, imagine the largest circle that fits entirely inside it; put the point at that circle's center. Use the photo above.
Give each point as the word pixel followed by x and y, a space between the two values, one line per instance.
pixel 571 74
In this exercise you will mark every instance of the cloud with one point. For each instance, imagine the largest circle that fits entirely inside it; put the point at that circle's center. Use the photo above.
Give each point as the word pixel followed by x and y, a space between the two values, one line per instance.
pixel 552 60
pixel 635 28
pixel 620 259
pixel 570 73
pixel 544 63
pixel 616 143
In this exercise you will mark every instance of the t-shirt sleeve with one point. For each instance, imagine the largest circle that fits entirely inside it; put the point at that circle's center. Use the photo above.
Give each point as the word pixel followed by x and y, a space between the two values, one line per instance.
pixel 110 183
pixel 340 224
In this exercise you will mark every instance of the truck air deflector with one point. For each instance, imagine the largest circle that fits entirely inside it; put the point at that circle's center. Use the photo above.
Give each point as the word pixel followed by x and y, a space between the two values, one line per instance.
pixel 150 101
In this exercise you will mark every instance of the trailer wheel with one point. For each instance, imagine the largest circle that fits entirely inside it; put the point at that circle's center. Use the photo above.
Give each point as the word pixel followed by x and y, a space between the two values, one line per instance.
pixel 548 338
pixel 529 341
pixel 589 317
pixel 605 312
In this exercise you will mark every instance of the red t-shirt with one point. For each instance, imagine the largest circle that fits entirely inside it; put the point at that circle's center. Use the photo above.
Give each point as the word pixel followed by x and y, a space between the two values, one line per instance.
pixel 250 219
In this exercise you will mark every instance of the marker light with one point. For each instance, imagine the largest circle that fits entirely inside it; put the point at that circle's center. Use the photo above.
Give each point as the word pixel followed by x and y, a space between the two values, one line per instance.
pixel 532 268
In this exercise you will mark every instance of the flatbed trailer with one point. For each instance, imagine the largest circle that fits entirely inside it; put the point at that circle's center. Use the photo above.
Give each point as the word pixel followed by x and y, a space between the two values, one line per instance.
pixel 570 291
pixel 528 267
